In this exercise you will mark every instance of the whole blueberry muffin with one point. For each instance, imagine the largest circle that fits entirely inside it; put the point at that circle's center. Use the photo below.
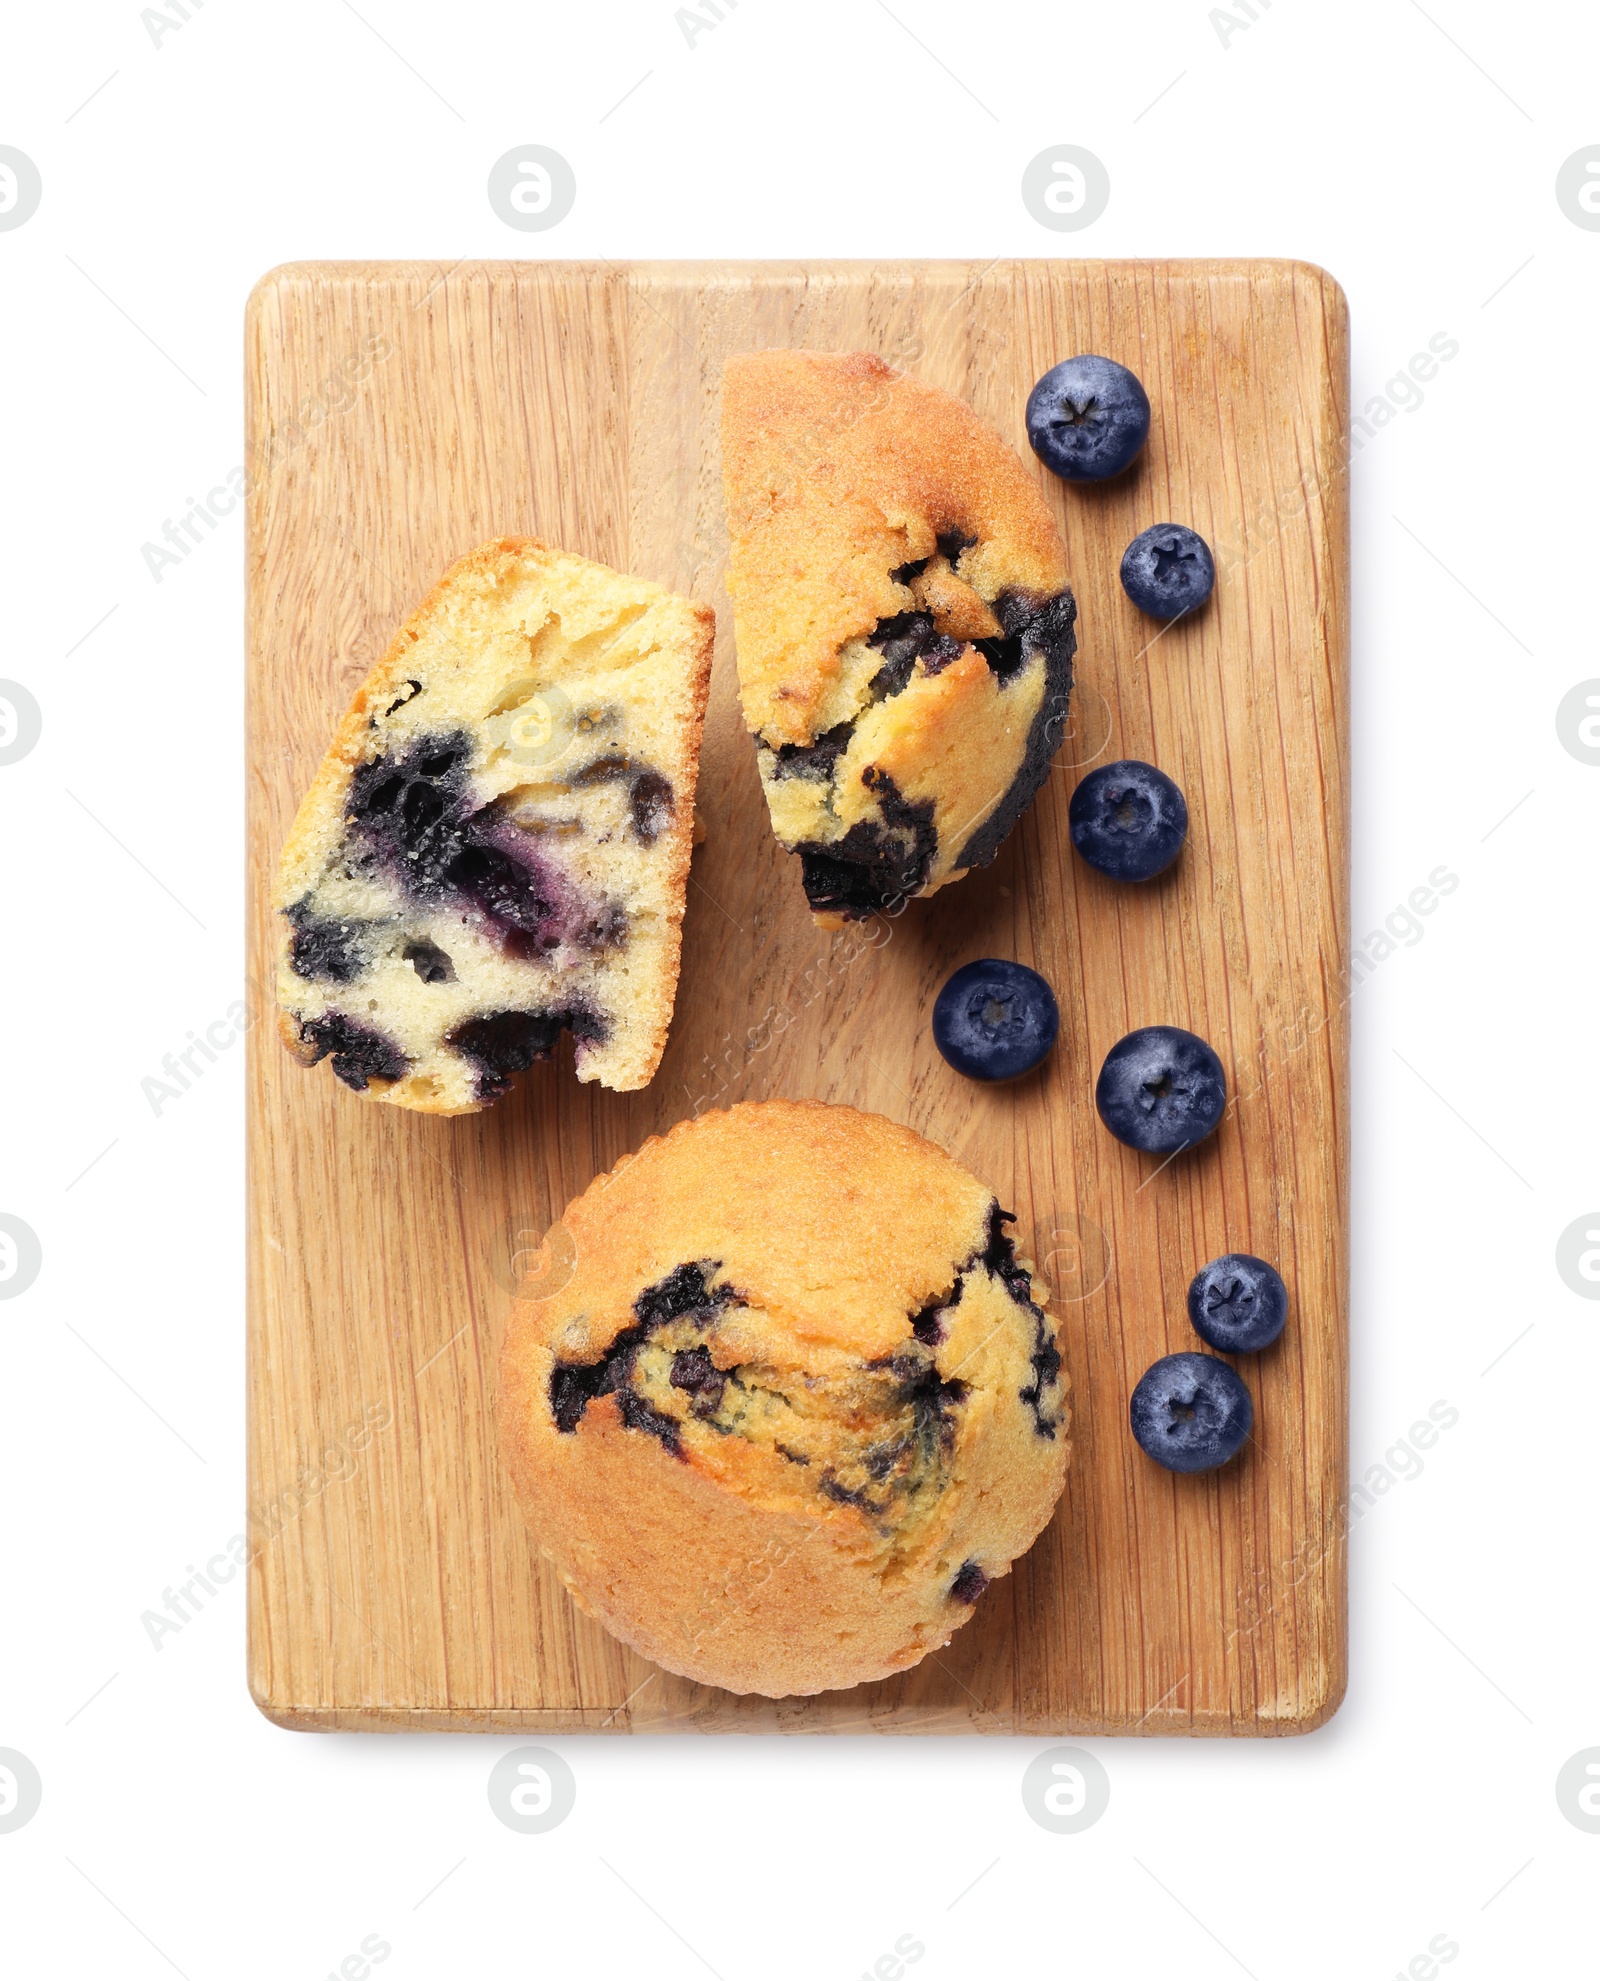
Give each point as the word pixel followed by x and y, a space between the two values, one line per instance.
pixel 795 1407
pixel 904 627
pixel 496 846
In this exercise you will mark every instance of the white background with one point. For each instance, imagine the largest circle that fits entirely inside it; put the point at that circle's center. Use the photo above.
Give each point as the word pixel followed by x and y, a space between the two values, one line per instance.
pixel 179 1832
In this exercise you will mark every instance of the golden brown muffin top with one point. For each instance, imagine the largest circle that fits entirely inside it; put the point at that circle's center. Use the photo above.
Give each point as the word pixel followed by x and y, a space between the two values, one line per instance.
pixel 837 1226
pixel 839 471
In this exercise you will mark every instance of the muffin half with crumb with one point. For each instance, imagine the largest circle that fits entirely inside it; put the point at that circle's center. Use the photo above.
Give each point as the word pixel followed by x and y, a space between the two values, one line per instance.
pixel 905 630
pixel 794 1405
pixel 496 847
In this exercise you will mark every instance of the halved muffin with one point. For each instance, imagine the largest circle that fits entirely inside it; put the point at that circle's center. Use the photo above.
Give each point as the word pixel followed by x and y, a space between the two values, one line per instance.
pixel 903 622
pixel 497 845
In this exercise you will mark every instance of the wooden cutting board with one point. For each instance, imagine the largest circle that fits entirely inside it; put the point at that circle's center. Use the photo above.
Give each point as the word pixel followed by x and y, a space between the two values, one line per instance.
pixel 397 415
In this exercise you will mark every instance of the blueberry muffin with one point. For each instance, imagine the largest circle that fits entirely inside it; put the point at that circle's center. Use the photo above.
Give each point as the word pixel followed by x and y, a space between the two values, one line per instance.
pixel 496 847
pixel 795 1407
pixel 904 628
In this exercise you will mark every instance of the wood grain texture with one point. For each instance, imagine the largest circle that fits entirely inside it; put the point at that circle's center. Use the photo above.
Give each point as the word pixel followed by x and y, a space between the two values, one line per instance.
pixel 392 1582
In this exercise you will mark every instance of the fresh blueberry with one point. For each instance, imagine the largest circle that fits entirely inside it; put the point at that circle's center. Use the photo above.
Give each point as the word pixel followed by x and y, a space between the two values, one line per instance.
pixel 1128 820
pixel 1167 571
pixel 1161 1089
pixel 1238 1304
pixel 1191 1413
pixel 995 1020
pixel 1087 418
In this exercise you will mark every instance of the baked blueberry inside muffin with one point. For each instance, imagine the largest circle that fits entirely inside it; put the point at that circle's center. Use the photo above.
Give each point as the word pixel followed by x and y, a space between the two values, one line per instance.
pixel 904 626
pixel 779 1431
pixel 496 847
